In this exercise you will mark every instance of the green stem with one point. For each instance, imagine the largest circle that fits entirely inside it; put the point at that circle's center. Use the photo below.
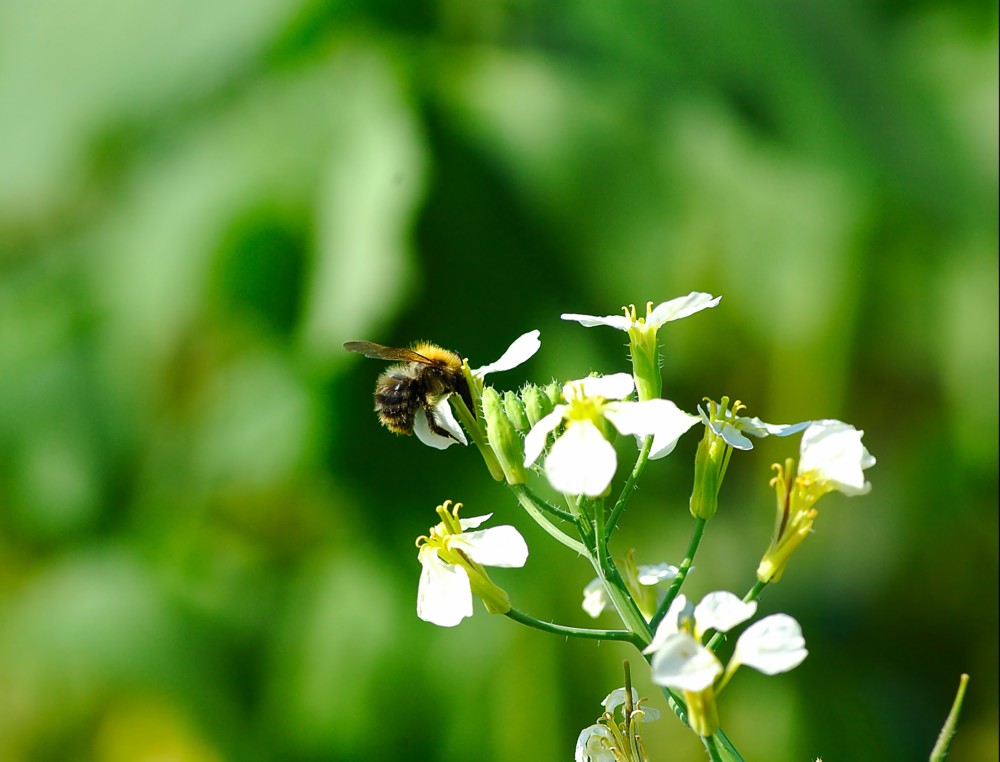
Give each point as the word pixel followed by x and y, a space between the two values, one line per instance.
pixel 472 428
pixel 676 704
pixel 601 542
pixel 725 464
pixel 546 506
pixel 614 585
pixel 574 632
pixel 713 750
pixel 940 750
pixel 682 572
pixel 718 746
pixel 583 525
pixel 629 487
pixel 525 499
pixel 752 595
pixel 623 601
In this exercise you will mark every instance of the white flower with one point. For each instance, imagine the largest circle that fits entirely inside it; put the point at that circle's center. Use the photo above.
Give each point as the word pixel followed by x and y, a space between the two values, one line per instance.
pixel 833 455
pixel 453 560
pixel 518 352
pixel 685 664
pixel 581 461
pixel 680 661
pixel 724 422
pixel 655 574
pixel 594 745
pixel 772 645
pixel 720 611
pixel 831 458
pixel 610 740
pixel 665 312
pixel 595 595
pixel 724 432
pixel 642 340
pixel 616 699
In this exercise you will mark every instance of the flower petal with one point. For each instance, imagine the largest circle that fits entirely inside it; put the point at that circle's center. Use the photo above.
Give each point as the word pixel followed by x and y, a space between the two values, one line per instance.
pixel 661 418
pixel 616 699
pixel 731 435
pixel 683 663
pixel 681 307
pixel 649 713
pixel 444 596
pixel 497 546
pixel 519 351
pixel 614 387
pixel 444 418
pixel 595 598
pixel 594 745
pixel 772 645
pixel 473 521
pixel 620 322
pixel 534 441
pixel 833 451
pixel 653 575
pixel 669 425
pixel 668 625
pixel 721 611
pixel 581 461
pixel 758 428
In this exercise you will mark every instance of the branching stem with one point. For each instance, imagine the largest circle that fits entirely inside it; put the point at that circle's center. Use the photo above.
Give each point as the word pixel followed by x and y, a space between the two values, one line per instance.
pixel 574 632
pixel 628 488
pixel 682 572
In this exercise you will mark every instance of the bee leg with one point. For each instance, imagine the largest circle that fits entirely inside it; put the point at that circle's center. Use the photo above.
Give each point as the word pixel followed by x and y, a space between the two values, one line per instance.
pixel 433 425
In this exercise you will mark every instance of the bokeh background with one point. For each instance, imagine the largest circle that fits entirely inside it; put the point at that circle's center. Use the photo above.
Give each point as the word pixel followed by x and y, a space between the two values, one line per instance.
pixel 206 540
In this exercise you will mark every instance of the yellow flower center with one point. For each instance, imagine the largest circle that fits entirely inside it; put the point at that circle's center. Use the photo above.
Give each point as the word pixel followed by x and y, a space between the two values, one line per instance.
pixel 637 322
pixel 441 534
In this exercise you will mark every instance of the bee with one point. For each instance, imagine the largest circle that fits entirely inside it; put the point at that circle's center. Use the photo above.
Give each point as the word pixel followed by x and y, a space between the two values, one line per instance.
pixel 424 375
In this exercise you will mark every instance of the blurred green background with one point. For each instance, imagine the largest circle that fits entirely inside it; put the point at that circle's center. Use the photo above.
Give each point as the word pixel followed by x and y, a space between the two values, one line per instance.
pixel 206 540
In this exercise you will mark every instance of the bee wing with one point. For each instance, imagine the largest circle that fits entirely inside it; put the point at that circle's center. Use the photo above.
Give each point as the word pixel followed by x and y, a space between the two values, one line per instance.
pixel 380 352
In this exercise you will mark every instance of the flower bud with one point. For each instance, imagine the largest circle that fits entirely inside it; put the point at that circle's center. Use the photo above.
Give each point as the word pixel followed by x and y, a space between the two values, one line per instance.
pixel 514 409
pixel 536 404
pixel 506 443
pixel 553 390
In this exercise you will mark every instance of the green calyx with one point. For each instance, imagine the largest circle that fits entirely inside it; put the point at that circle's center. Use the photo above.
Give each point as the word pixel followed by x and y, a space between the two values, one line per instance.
pixel 709 462
pixel 645 353
pixel 796 512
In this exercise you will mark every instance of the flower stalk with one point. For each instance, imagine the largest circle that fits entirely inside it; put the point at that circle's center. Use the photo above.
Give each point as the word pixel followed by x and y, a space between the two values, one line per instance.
pixel 571 434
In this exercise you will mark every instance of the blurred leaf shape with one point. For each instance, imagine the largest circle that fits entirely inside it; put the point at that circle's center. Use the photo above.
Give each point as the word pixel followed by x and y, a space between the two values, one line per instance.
pixel 103 62
pixel 372 183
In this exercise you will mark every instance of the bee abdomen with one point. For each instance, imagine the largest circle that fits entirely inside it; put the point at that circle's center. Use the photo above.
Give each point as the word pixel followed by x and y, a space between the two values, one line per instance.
pixel 396 403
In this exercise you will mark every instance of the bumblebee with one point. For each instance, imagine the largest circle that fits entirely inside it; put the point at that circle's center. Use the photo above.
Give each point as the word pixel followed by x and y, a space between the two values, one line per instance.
pixel 424 375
